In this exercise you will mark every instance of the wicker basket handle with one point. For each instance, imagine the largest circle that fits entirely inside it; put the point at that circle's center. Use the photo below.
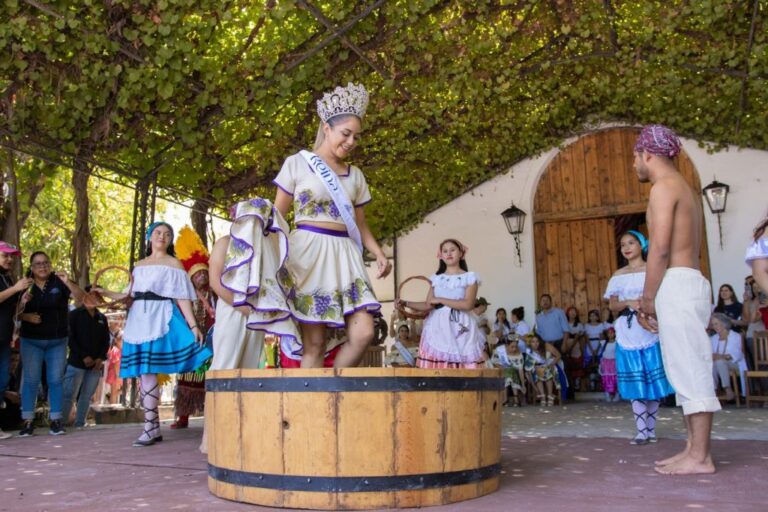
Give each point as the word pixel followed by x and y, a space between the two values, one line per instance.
pixel 96 300
pixel 413 314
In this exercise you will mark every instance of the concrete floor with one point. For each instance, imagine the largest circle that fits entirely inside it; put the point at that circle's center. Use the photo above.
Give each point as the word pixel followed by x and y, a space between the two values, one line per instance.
pixel 576 456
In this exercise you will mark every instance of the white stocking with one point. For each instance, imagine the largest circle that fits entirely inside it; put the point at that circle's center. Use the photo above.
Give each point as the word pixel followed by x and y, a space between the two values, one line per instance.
pixel 652 406
pixel 640 410
pixel 150 398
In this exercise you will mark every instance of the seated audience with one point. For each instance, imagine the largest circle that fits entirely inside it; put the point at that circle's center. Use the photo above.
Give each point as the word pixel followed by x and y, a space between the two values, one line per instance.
pixel 726 354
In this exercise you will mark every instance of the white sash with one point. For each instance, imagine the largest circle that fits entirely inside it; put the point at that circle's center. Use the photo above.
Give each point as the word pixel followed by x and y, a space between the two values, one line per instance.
pixel 338 194
pixel 404 353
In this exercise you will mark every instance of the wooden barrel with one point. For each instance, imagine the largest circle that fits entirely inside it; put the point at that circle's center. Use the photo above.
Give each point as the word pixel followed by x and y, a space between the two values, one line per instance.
pixel 353 438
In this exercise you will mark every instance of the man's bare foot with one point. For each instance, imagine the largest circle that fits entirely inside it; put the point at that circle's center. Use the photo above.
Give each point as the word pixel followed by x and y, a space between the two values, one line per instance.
pixel 688 466
pixel 671 460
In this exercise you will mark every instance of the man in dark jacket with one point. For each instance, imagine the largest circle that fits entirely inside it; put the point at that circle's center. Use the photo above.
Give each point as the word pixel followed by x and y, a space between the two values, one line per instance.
pixel 88 346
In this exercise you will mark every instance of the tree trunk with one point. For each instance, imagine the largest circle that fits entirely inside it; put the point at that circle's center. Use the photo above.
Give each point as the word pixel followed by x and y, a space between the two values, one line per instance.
pixel 10 202
pixel 198 217
pixel 82 241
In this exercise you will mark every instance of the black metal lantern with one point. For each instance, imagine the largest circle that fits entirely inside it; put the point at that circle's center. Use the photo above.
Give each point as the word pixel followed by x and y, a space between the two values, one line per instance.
pixel 514 218
pixel 716 194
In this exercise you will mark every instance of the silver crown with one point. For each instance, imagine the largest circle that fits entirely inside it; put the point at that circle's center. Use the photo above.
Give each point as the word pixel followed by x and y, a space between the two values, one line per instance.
pixel 352 99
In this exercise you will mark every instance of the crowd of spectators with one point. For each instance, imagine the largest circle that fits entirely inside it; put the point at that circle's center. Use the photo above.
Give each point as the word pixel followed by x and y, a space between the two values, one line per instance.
pixel 561 355
pixel 53 347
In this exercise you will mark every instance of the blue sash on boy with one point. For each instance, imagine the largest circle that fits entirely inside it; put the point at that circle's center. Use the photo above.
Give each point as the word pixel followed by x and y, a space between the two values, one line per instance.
pixel 338 194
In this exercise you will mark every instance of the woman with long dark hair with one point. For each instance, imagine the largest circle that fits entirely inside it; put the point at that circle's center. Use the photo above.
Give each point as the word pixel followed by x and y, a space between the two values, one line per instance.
pixel 639 365
pixel 161 333
pixel 44 337
pixel 729 305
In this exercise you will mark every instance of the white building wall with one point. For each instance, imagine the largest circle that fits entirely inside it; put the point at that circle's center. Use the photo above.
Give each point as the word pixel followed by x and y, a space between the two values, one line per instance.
pixel 474 219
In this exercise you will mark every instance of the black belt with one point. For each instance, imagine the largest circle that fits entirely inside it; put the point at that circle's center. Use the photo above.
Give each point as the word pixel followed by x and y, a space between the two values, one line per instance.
pixel 629 313
pixel 149 296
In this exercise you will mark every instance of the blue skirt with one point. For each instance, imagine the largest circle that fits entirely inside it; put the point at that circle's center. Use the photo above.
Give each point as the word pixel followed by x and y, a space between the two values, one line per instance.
pixel 641 374
pixel 176 352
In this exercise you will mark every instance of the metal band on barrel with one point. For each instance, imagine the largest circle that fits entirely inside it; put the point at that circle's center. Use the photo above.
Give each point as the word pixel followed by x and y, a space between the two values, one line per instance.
pixel 347 384
pixel 352 483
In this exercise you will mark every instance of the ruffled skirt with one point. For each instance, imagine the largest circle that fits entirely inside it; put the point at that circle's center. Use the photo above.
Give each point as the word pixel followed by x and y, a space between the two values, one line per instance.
pixel 330 280
pixel 175 352
pixel 451 339
pixel 641 374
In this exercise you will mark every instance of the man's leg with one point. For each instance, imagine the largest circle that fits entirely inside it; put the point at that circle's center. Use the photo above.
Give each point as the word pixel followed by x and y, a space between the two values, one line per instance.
pixel 676 457
pixel 73 379
pixel 698 459
pixel 90 383
pixel 5 363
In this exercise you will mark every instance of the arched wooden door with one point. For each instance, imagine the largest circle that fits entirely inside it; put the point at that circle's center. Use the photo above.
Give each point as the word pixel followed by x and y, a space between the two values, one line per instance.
pixel 586 189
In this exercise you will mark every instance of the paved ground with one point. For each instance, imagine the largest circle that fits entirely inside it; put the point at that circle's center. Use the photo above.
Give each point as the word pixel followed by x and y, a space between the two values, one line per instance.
pixel 575 456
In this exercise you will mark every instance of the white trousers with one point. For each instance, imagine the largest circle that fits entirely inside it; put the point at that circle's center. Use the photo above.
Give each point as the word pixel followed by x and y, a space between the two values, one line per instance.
pixel 234 345
pixel 683 310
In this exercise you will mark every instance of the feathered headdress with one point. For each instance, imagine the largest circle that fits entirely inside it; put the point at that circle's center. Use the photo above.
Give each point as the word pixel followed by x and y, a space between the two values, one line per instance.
pixel 191 251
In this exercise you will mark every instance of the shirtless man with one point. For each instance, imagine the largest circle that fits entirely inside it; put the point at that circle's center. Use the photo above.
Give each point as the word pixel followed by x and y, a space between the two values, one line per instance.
pixel 677 296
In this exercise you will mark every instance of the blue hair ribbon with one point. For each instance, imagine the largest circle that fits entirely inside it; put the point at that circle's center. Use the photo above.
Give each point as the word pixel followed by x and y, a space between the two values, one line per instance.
pixel 640 238
pixel 154 225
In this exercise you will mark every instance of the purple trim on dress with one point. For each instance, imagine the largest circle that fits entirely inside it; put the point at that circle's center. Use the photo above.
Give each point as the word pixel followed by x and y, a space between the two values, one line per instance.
pixel 364 203
pixel 323 231
pixel 371 307
pixel 281 188
pixel 250 291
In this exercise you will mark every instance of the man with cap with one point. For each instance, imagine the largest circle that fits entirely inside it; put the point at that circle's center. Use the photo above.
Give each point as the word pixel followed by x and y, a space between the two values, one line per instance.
pixel 10 293
pixel 676 297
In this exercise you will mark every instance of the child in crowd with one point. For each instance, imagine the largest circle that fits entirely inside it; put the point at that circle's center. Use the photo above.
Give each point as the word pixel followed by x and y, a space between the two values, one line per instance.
pixel 593 331
pixel 501 326
pixel 114 356
pixel 450 337
pixel 544 361
pixel 509 357
pixel 607 357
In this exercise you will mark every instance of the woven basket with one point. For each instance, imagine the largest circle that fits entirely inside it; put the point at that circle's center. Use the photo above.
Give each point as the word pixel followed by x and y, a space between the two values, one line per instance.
pixel 96 300
pixel 416 315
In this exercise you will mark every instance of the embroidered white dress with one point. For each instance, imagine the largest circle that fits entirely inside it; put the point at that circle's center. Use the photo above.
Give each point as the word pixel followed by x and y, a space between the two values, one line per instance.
pixel 451 338
pixel 329 276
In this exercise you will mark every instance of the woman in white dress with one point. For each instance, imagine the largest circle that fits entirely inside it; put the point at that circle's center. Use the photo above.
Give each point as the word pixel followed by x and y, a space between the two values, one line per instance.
pixel 639 367
pixel 450 337
pixel 161 334
pixel 330 287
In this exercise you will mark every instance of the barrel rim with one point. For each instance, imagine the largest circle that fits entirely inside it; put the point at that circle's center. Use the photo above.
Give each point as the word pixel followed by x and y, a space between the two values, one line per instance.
pixel 350 484
pixel 338 384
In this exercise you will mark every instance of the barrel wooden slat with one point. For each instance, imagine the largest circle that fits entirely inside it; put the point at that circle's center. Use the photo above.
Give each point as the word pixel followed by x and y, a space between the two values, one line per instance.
pixel 365 451
pixel 226 439
pixel 418 421
pixel 316 443
pixel 490 429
